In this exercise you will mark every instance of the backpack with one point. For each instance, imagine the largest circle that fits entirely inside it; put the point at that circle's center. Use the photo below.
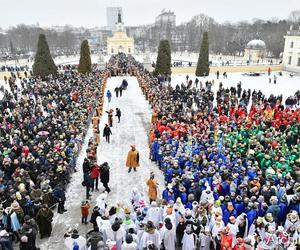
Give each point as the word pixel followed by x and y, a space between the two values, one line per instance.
pixel 75 245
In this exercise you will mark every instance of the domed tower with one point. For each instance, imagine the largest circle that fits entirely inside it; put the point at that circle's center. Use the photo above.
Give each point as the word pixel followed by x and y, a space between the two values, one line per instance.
pixel 255 50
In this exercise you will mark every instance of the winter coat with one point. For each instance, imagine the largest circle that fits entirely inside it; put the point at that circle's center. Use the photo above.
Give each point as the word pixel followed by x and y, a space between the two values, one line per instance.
pixel 5 243
pixel 85 209
pixel 14 222
pixel 104 177
pixel 180 231
pixel 88 180
pixel 44 221
pixel 152 192
pixel 226 241
pixel 95 171
pixel 106 131
pixel 132 159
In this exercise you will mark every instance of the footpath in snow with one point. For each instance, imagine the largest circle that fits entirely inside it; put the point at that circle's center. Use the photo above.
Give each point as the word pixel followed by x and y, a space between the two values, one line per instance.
pixel 133 129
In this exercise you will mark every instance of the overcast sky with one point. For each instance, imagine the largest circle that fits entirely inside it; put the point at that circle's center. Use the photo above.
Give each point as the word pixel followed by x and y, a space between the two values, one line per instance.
pixel 91 13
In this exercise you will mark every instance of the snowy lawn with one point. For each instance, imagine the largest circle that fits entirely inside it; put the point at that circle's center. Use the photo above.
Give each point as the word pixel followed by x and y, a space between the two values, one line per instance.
pixel 286 85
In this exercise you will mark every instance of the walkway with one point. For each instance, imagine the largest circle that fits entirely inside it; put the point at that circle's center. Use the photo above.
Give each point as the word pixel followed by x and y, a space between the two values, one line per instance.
pixel 133 129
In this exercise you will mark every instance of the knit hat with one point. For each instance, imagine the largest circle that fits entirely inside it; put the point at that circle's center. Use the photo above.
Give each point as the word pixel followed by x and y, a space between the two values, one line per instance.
pixel 116 225
pixel 24 239
pixel 129 238
pixel 168 224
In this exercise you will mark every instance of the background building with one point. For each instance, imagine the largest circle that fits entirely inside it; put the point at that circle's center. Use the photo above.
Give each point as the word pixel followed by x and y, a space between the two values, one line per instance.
pixel 291 53
pixel 120 42
pixel 112 16
pixel 166 19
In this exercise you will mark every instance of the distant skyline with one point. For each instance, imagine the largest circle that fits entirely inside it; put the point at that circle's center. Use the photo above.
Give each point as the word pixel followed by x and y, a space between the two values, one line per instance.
pixel 92 13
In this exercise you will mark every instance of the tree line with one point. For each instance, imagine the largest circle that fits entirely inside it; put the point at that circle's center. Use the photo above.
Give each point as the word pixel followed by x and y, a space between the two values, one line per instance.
pixel 226 38
pixel 22 39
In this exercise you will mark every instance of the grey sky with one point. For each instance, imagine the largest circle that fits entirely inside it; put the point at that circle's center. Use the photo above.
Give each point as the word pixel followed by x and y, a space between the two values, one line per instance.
pixel 91 13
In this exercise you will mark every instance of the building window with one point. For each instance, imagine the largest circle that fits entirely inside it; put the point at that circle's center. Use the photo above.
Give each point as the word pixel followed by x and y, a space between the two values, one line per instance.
pixel 298 64
pixel 292 45
pixel 290 60
pixel 129 50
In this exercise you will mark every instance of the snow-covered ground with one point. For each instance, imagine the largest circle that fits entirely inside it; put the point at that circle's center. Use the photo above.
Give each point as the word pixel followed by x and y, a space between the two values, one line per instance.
pixel 133 129
pixel 286 85
pixel 217 60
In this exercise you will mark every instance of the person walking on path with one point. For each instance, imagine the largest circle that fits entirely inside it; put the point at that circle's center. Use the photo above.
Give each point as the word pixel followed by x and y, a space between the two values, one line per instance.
pixel 106 133
pixel 108 95
pixel 110 117
pixel 118 114
pixel 117 91
pixel 152 191
pixel 104 176
pixel 120 90
pixel 133 158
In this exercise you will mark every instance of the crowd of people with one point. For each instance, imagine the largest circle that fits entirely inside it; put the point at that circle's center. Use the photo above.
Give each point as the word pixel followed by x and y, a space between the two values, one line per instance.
pixel 6 68
pixel 43 125
pixel 233 168
pixel 230 159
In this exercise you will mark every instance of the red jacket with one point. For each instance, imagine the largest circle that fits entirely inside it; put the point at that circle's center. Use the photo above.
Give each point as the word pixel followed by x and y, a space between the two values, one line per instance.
pixel 95 172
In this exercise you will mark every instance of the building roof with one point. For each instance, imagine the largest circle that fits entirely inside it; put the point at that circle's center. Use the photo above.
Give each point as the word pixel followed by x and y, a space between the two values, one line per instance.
pixel 256 44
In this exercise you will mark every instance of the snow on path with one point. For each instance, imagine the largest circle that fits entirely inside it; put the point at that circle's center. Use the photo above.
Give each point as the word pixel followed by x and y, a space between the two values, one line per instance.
pixel 133 129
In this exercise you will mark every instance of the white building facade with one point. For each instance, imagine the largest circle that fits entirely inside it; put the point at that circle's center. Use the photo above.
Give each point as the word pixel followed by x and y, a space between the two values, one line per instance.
pixel 291 53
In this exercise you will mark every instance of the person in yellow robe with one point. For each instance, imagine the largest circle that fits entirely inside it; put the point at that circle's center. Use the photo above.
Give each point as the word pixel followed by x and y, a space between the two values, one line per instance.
pixel 152 185
pixel 133 158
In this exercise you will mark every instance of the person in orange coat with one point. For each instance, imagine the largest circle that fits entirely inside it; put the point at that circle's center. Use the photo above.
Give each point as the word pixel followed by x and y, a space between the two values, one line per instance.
pixel 240 244
pixel 152 191
pixel 226 239
pixel 85 206
pixel 133 159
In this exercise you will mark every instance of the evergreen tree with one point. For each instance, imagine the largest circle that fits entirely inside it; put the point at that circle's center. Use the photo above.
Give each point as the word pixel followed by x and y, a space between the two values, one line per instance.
pixel 203 60
pixel 85 63
pixel 43 62
pixel 163 61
